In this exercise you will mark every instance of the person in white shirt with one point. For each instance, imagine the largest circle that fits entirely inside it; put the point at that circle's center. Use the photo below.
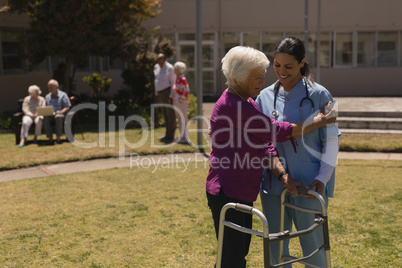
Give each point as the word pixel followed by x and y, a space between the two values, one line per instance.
pixel 164 80
pixel 29 106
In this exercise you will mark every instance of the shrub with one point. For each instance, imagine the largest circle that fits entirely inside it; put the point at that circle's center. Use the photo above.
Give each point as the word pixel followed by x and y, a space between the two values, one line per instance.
pixel 98 83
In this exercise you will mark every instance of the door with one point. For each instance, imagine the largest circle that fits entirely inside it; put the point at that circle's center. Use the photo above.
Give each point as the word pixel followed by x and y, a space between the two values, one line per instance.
pixel 187 54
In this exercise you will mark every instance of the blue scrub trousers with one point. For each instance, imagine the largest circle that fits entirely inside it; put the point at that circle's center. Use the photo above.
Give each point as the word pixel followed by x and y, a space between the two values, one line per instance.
pixel 302 220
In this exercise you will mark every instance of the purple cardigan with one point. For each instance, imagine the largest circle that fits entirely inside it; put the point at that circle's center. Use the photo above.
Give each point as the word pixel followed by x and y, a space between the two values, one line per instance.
pixel 241 146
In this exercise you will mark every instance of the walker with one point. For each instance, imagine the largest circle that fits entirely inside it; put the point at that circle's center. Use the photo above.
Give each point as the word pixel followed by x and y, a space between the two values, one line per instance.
pixel 321 219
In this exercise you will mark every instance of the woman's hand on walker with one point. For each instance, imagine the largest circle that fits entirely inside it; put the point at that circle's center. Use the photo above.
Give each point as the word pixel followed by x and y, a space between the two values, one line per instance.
pixel 291 184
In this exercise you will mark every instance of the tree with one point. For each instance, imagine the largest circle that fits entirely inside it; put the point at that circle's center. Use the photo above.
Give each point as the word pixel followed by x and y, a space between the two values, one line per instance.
pixel 75 29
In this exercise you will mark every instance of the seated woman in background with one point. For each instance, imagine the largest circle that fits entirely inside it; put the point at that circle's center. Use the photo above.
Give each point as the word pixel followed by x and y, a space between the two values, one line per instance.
pixel 29 106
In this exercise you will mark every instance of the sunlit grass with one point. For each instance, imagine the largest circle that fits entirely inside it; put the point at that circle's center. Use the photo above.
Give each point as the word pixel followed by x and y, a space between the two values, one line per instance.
pixel 91 145
pixel 371 142
pixel 140 218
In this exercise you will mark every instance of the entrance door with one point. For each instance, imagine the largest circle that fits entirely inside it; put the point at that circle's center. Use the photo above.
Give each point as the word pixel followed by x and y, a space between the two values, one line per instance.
pixel 186 53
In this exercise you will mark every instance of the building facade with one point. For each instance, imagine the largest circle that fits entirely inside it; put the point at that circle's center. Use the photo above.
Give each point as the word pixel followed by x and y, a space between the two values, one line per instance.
pixel 360 49
pixel 359 53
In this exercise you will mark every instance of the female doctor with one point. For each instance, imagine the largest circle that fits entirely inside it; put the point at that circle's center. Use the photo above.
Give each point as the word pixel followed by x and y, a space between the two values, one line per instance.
pixel 296 97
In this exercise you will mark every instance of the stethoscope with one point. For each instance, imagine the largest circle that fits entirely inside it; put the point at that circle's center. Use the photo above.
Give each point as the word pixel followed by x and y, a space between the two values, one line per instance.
pixel 275 112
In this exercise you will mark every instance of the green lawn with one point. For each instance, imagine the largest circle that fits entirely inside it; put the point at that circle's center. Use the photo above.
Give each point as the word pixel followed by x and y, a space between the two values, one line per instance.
pixel 110 144
pixel 91 146
pixel 137 218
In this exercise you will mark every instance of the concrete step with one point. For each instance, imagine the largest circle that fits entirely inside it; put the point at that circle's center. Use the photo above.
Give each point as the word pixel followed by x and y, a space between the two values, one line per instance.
pixel 369 131
pixel 380 123
pixel 385 114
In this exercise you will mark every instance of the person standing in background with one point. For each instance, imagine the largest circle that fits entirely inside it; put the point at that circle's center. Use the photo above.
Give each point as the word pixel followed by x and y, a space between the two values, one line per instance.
pixel 164 80
pixel 180 93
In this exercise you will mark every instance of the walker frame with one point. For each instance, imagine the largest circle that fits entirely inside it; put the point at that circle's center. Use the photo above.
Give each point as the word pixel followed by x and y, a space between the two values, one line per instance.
pixel 321 220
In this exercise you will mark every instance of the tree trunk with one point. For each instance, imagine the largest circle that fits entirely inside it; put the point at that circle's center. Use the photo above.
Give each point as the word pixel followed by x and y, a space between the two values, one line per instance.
pixel 67 79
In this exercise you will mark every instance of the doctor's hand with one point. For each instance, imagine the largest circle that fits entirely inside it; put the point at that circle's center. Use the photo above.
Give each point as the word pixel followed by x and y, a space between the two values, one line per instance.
pixel 291 184
pixel 319 188
pixel 326 116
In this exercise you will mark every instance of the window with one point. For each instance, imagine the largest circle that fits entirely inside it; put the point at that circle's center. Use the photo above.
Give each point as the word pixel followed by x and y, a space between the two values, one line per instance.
pixel 116 63
pixel 12 51
pixel 251 40
pixel 325 50
pixel 186 36
pixel 343 49
pixel 269 41
pixel 230 40
pixel 365 49
pixel 42 67
pixel 387 49
pixel 207 56
pixel 400 49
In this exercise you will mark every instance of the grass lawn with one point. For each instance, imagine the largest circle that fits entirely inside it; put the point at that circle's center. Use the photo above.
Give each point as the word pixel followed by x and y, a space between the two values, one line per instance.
pixel 136 218
pixel 91 146
pixel 108 145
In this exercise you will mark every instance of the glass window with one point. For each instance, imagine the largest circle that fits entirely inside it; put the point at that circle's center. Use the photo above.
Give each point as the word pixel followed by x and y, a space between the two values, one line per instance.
pixel 41 67
pixel 12 51
pixel 365 49
pixel 208 36
pixel 387 49
pixel 269 41
pixel 230 40
pixel 400 49
pixel 343 49
pixel 187 36
pixel 325 50
pixel 311 46
pixel 116 64
pixel 251 40
pixel 187 55
pixel 207 56
pixel 208 82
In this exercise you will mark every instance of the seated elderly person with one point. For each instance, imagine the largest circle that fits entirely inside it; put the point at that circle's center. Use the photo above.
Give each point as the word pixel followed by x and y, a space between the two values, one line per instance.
pixel 61 104
pixel 29 106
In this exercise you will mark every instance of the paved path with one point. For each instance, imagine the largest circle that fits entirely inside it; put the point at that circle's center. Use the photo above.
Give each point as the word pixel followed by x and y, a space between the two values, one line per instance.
pixel 152 161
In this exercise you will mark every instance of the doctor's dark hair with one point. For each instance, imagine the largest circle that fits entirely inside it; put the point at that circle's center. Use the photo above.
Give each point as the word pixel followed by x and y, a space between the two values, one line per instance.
pixel 294 47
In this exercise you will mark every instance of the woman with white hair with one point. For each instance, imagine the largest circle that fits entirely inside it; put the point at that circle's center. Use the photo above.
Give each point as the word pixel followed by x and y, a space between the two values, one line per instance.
pixel 242 146
pixel 180 91
pixel 29 106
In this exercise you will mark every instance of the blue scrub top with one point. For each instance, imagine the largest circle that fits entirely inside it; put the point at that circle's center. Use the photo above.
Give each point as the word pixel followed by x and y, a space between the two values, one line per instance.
pixel 304 164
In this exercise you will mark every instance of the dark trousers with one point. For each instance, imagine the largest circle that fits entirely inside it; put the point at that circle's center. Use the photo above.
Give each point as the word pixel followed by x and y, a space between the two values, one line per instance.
pixel 235 244
pixel 168 112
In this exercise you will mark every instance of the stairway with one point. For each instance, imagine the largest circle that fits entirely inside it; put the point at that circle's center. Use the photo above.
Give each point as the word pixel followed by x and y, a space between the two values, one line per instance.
pixel 370 122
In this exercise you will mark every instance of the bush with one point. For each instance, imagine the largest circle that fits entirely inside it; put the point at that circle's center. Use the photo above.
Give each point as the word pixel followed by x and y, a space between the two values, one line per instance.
pixel 5 121
pixel 192 106
pixel 99 84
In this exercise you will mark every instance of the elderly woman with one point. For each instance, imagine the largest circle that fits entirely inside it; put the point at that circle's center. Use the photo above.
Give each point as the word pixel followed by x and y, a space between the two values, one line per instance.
pixel 242 146
pixel 29 106
pixel 180 93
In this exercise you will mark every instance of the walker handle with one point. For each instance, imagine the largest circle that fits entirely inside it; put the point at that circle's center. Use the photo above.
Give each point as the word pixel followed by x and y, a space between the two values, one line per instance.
pixel 302 190
pixel 244 208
